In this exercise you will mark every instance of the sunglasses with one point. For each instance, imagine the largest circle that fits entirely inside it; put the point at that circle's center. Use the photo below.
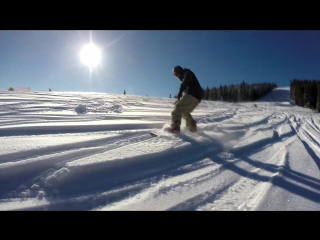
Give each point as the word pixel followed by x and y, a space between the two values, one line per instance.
pixel 176 74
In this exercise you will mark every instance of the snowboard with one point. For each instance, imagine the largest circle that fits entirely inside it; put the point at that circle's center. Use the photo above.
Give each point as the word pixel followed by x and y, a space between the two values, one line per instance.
pixel 153 134
pixel 165 130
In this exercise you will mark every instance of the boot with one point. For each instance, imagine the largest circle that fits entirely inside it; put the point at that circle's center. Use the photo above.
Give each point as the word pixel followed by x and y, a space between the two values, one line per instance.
pixel 175 127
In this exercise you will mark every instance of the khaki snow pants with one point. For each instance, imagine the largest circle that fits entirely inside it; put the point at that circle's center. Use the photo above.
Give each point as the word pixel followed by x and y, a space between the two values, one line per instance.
pixel 182 109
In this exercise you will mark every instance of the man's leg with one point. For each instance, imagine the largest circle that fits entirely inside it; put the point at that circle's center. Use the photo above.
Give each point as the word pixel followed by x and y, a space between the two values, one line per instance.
pixel 190 122
pixel 186 103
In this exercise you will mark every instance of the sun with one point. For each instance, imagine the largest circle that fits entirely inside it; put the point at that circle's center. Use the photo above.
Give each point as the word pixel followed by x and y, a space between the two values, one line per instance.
pixel 90 55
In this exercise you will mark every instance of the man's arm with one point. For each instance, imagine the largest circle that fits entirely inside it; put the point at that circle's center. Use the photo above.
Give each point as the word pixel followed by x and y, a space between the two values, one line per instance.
pixel 185 81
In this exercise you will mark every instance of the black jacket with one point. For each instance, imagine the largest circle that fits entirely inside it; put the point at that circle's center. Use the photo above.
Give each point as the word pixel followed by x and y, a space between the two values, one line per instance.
pixel 190 84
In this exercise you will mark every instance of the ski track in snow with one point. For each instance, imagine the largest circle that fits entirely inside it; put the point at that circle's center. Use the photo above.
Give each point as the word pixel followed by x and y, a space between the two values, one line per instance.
pixel 93 151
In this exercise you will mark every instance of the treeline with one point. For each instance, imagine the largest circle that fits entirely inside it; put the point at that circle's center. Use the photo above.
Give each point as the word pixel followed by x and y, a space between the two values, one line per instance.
pixel 306 93
pixel 238 93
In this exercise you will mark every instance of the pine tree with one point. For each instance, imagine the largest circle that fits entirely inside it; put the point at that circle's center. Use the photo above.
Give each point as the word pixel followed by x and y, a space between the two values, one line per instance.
pixel 318 98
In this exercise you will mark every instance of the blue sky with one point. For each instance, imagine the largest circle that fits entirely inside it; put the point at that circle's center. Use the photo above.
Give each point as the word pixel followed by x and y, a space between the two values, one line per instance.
pixel 140 62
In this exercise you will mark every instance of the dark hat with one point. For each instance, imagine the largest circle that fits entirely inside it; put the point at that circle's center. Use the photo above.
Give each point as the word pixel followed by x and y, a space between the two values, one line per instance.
pixel 177 69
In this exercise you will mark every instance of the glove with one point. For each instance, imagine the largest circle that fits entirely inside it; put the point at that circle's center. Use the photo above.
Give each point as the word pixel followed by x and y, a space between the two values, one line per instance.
pixel 179 95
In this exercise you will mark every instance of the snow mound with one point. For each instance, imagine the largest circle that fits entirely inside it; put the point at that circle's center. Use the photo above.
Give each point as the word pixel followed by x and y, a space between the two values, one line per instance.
pixel 81 109
pixel 116 108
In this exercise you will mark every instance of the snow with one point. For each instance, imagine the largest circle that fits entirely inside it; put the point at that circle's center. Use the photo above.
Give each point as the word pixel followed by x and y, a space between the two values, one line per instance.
pixel 93 152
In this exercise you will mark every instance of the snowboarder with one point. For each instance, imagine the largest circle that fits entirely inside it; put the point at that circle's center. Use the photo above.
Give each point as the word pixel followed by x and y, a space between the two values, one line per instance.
pixel 188 102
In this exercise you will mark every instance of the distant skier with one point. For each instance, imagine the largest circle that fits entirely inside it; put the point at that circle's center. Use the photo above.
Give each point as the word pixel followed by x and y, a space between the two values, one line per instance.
pixel 188 102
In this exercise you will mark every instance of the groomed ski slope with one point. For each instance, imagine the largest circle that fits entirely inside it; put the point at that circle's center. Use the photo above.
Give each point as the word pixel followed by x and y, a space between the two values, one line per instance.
pixel 93 152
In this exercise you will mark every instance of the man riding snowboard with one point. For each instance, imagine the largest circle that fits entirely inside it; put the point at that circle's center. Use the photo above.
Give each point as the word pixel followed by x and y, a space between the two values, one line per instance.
pixel 188 102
